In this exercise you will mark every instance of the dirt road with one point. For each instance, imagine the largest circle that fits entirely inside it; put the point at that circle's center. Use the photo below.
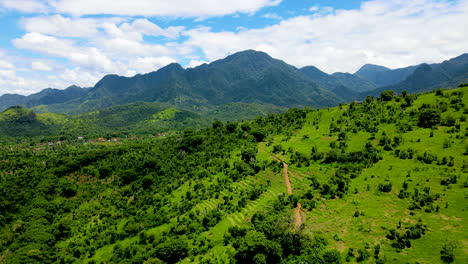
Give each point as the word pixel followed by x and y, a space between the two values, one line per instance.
pixel 286 178
pixel 297 210
pixel 297 215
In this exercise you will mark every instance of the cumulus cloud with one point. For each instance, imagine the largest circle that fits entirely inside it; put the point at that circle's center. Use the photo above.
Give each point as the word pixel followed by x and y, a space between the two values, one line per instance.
pixel 58 25
pixel 195 63
pixel 40 66
pixel 6 65
pixel 272 16
pixel 174 8
pixel 145 27
pixel 149 64
pixel 86 56
pixel 75 75
pixel 26 76
pixel 391 33
pixel 27 6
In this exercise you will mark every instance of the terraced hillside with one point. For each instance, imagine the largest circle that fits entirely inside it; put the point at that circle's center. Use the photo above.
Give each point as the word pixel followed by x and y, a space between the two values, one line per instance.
pixel 382 181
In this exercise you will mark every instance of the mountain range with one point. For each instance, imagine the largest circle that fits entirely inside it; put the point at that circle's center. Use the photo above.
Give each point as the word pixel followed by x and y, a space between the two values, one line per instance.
pixel 249 77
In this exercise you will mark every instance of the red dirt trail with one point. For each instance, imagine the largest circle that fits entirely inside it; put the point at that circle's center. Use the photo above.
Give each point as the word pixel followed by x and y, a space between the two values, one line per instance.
pixel 297 210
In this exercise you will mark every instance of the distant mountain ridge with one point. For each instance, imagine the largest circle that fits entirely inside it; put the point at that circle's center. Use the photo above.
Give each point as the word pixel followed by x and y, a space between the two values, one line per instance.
pixel 46 96
pixel 382 76
pixel 244 77
pixel 427 77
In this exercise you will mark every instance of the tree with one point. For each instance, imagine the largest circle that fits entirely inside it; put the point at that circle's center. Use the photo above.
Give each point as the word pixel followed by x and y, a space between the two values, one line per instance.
pixel 428 118
pixel 259 135
pixel 332 256
pixel 446 254
pixel 439 92
pixel 248 155
pixel 277 148
pixel 172 250
pixel 254 247
pixel 218 125
pixel 231 127
pixel 387 95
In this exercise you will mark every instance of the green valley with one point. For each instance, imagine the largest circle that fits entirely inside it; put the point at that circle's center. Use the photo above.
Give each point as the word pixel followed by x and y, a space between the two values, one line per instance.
pixel 379 181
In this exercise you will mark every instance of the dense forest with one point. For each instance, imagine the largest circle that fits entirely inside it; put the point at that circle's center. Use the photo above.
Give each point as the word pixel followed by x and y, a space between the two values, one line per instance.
pixel 379 181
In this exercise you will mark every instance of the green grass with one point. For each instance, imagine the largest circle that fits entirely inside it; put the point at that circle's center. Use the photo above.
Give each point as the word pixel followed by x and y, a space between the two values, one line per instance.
pixel 333 218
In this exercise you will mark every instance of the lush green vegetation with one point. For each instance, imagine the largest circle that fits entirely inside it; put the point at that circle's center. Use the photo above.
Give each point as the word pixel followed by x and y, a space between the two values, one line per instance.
pixel 382 181
pixel 122 121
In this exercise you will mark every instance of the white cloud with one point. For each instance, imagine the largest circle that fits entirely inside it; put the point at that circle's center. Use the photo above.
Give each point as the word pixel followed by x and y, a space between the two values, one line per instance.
pixel 87 56
pixel 77 75
pixel 122 48
pixel 173 8
pixel 6 65
pixel 40 66
pixel 314 8
pixel 149 64
pixel 19 80
pixel 272 16
pixel 391 33
pixel 148 28
pixel 58 25
pixel 195 63
pixel 27 6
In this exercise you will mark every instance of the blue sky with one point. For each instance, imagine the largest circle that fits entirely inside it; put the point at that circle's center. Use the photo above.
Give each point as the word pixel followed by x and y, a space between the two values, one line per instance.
pixel 58 43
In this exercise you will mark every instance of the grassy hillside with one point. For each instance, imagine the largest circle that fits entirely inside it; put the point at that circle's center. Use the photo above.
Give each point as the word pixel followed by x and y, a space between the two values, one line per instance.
pixel 372 182
pixel 134 118
pixel 140 118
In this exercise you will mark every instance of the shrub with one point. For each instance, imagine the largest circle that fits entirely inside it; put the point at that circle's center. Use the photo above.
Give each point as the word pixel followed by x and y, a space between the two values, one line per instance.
pixel 428 118
pixel 385 187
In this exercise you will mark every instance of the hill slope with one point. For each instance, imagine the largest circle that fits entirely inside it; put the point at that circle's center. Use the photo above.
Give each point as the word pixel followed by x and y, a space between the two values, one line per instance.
pixel 366 182
pixel 134 118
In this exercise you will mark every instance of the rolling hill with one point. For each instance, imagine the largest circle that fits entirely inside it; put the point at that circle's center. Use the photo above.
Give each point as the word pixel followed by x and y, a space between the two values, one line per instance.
pixel 134 118
pixel 371 182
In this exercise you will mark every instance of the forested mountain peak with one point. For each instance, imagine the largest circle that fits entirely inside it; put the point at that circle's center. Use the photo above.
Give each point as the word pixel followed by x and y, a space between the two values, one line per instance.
pixel 17 114
pixel 247 56
pixel 462 59
pixel 244 77
pixel 315 73
pixel 172 67
pixel 368 69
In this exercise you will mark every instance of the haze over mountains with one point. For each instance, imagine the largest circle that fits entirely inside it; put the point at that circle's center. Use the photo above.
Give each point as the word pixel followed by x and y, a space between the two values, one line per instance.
pixel 244 77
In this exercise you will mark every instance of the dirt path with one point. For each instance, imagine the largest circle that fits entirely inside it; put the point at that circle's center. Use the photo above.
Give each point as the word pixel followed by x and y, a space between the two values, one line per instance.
pixel 286 178
pixel 297 215
pixel 297 210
